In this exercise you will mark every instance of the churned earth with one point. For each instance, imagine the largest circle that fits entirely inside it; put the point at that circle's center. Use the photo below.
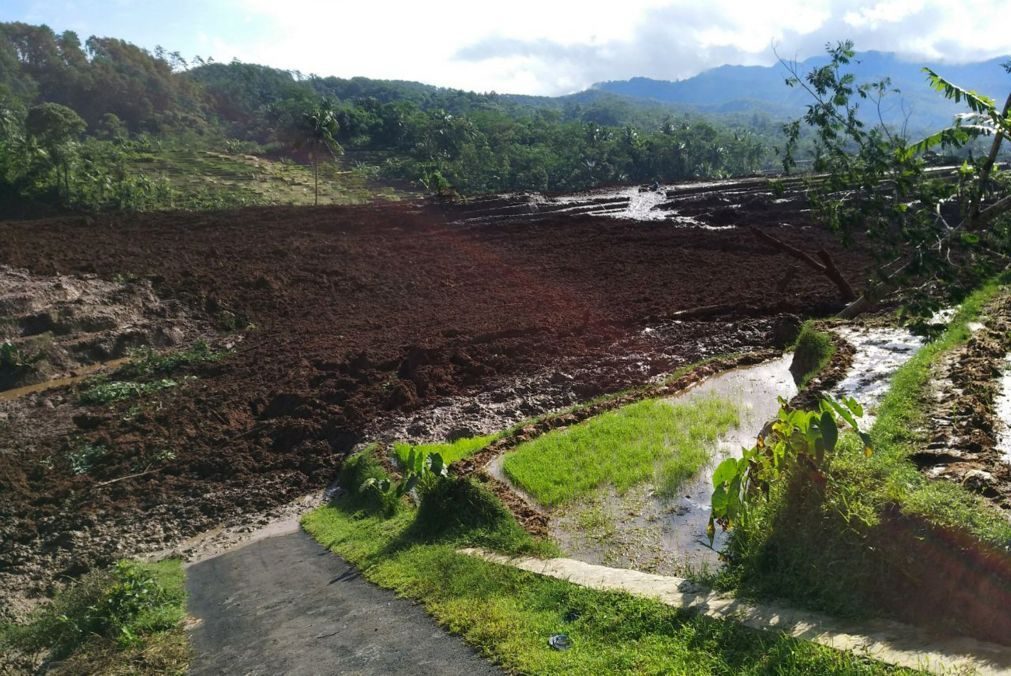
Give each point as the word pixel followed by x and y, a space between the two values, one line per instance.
pixel 340 325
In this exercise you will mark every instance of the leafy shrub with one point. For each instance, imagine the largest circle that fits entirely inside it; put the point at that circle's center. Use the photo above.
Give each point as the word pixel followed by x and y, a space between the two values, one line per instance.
pixel 125 604
pixel 419 470
pixel 797 440
pixel 357 476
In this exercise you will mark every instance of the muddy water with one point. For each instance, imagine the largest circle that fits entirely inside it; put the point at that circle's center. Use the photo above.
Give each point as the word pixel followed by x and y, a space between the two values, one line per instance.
pixel 1002 409
pixel 79 375
pixel 880 352
pixel 755 392
pixel 640 530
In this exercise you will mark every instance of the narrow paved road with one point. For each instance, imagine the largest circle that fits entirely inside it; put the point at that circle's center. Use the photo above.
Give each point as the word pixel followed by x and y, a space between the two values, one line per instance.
pixel 285 605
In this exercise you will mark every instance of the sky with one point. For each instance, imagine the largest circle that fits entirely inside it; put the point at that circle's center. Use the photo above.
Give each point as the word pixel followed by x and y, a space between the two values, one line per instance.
pixel 530 46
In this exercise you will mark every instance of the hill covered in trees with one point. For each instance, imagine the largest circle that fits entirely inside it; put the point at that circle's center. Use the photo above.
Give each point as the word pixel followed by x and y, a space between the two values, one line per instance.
pixel 85 124
pixel 107 100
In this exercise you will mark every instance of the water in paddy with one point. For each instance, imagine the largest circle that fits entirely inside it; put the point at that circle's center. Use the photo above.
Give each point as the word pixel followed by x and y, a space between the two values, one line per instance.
pixel 642 531
pixel 880 352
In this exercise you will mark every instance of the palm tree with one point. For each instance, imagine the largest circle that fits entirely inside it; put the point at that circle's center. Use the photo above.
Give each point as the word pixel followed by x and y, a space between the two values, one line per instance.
pixel 317 133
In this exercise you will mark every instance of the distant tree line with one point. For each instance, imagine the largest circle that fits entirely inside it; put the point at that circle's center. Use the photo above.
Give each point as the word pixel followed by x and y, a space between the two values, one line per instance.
pixel 71 113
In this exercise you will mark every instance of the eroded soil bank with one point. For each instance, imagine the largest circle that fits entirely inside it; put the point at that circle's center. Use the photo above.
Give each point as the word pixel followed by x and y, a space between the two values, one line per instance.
pixel 966 425
pixel 356 323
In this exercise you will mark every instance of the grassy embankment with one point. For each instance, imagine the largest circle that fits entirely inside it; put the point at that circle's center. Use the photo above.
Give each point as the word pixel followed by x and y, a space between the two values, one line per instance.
pixel 840 547
pixel 127 620
pixel 509 614
pixel 209 179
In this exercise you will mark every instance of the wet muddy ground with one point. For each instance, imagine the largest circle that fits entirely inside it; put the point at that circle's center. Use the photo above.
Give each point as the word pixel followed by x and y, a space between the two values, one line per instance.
pixel 967 430
pixel 355 323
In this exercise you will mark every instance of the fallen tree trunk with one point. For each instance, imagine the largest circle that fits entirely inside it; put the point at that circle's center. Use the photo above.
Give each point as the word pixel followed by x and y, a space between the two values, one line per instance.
pixel 825 266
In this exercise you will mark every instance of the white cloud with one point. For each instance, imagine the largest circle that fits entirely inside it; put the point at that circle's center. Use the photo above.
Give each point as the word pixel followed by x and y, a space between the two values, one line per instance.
pixel 544 47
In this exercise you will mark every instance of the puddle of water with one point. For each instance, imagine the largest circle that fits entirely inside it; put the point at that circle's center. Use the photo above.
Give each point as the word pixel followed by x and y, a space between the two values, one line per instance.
pixel 880 352
pixel 645 532
pixel 1002 408
pixel 79 375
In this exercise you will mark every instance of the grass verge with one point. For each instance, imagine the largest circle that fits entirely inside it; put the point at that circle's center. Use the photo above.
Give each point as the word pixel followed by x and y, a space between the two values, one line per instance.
pixel 127 620
pixel 879 535
pixel 624 447
pixel 509 614
pixel 811 353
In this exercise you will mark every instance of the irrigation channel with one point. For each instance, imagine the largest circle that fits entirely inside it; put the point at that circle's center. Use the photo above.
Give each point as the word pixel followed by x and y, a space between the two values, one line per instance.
pixel 642 531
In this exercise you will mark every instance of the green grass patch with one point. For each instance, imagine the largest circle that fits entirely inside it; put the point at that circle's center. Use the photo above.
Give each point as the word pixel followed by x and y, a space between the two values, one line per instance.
pixel 124 620
pixel 649 439
pixel 451 451
pixel 829 548
pixel 811 353
pixel 509 615
pixel 109 391
pixel 147 363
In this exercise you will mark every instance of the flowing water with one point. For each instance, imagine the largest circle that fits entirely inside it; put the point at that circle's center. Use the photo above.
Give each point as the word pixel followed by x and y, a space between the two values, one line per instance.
pixel 1002 407
pixel 880 352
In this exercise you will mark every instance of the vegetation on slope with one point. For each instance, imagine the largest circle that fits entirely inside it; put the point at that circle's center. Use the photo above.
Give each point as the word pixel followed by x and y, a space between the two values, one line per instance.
pixel 124 620
pixel 509 615
pixel 847 543
pixel 114 96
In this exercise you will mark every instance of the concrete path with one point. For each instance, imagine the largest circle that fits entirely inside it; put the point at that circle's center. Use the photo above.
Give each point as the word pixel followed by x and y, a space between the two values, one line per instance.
pixel 886 641
pixel 286 605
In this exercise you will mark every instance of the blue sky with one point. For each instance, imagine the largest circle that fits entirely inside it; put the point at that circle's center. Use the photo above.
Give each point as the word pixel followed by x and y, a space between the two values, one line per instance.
pixel 529 46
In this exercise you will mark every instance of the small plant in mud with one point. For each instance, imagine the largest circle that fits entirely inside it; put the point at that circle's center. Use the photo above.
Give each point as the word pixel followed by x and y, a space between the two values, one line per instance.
pixel 83 457
pixel 147 362
pixel 14 362
pixel 797 438
pixel 107 392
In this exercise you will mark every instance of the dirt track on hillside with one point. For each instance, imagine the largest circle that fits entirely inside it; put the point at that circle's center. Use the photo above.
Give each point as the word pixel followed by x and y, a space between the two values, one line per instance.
pixel 351 319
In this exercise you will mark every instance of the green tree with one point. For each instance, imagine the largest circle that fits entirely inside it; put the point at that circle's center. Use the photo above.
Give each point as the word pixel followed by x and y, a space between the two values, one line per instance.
pixel 928 229
pixel 316 133
pixel 56 129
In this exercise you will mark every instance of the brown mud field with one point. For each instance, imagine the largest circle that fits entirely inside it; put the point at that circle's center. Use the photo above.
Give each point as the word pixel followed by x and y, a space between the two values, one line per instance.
pixel 340 325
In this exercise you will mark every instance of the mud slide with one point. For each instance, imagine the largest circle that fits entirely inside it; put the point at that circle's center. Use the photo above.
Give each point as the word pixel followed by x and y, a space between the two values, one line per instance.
pixel 357 323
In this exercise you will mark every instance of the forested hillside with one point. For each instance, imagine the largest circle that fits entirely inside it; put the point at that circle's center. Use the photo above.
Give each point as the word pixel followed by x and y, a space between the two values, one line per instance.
pixel 75 116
